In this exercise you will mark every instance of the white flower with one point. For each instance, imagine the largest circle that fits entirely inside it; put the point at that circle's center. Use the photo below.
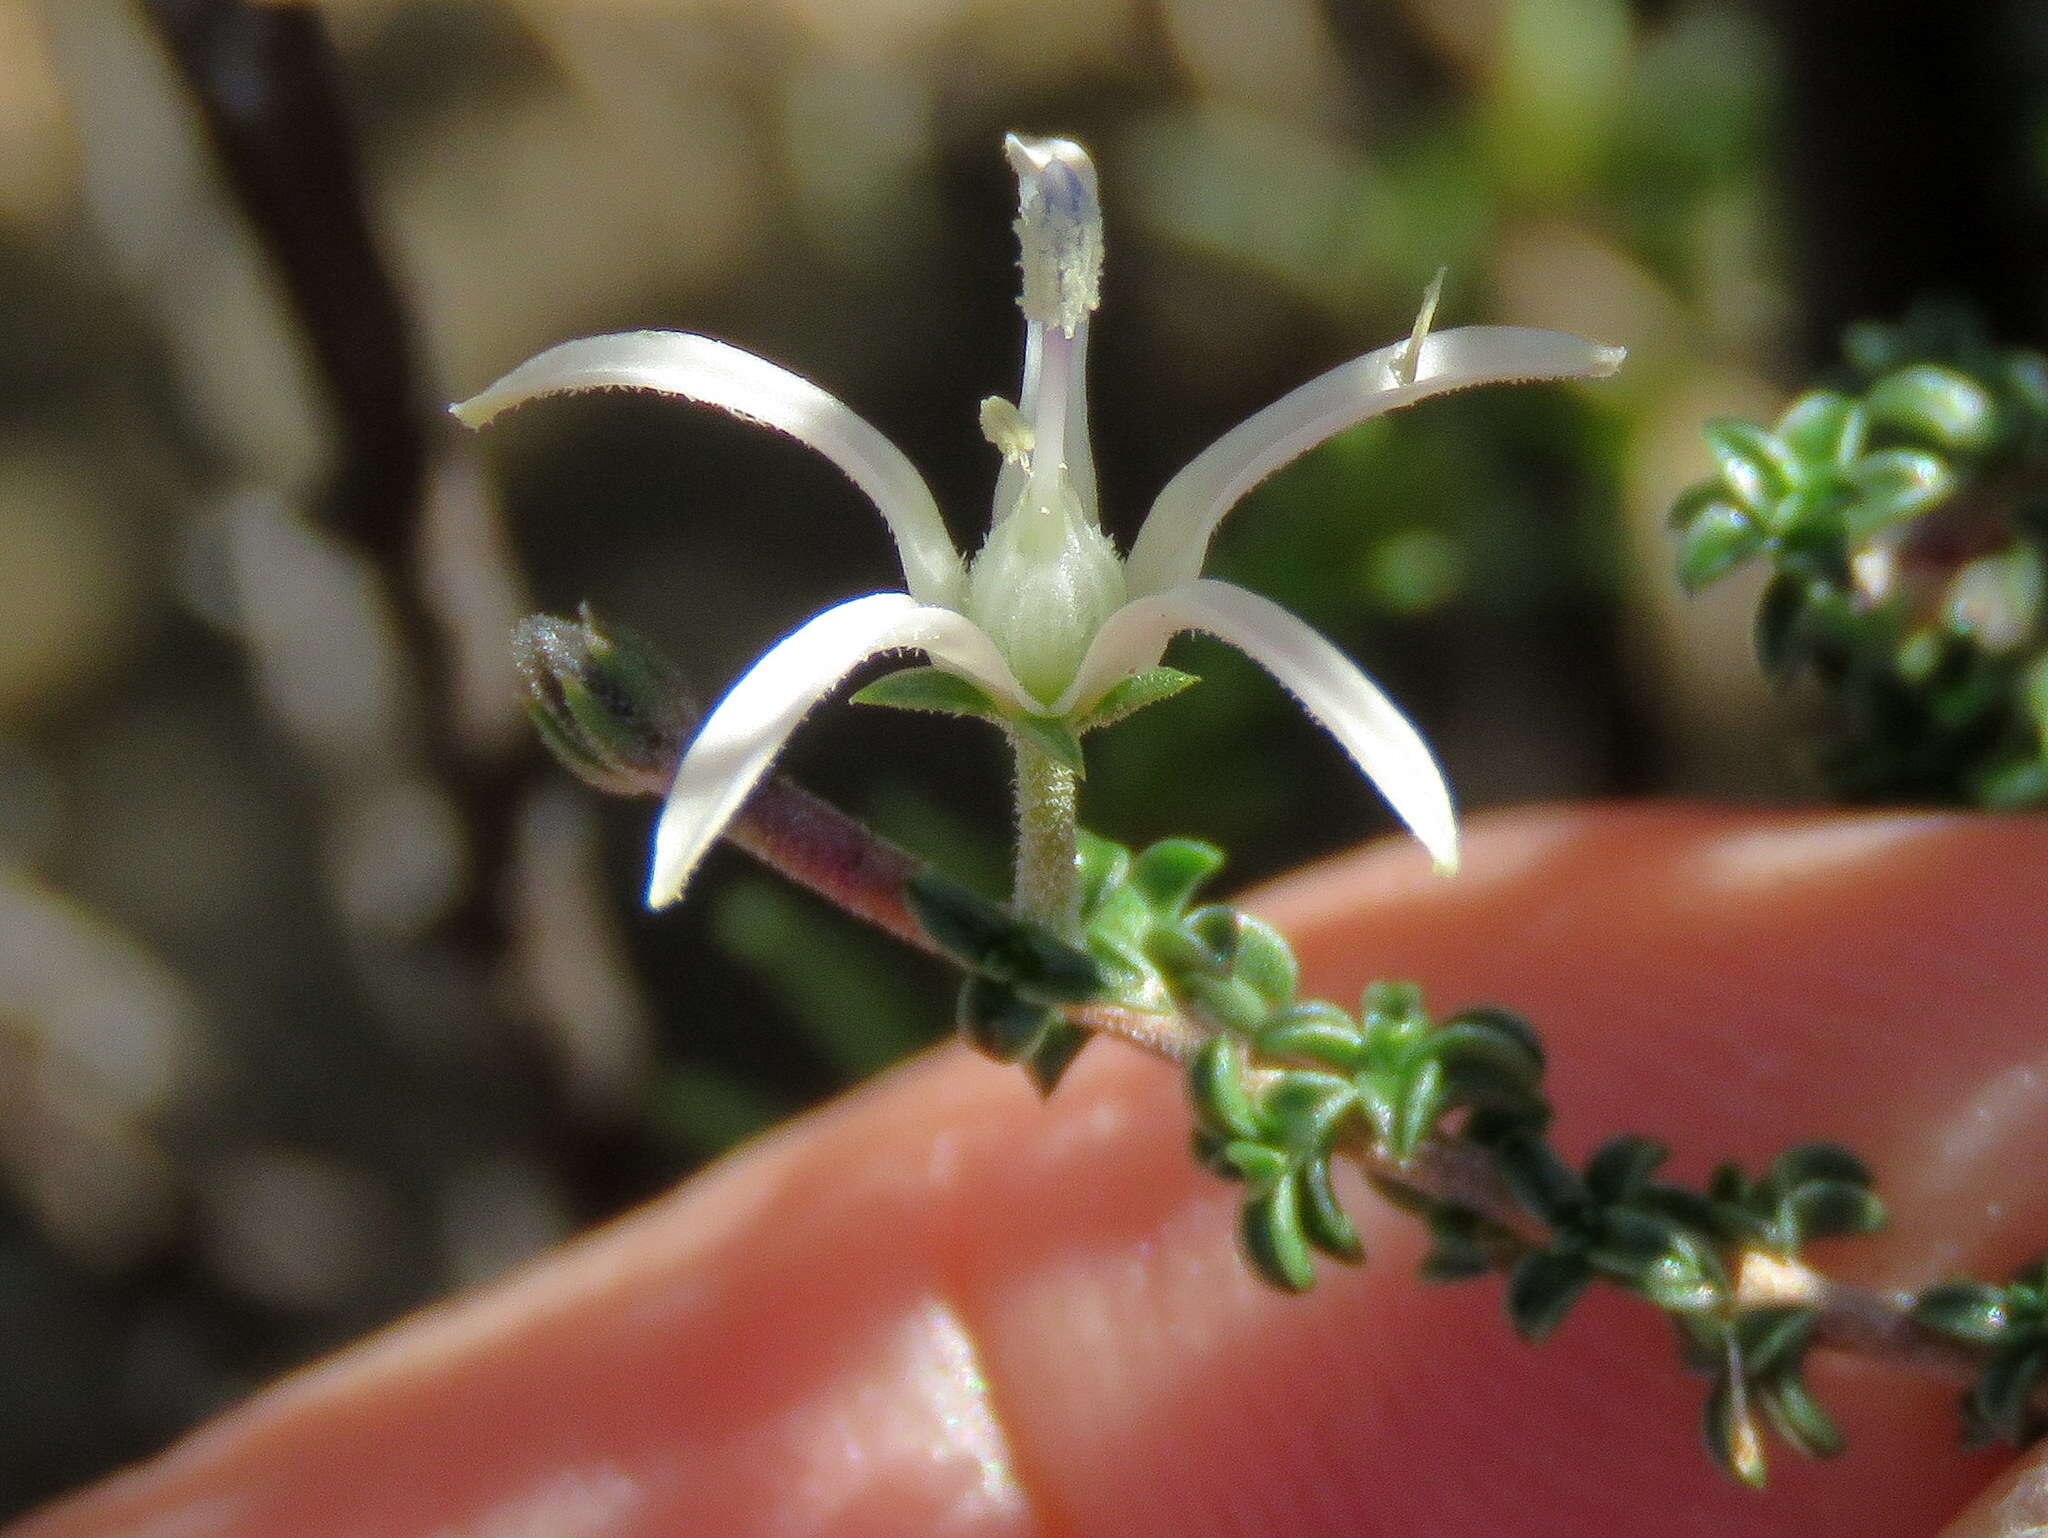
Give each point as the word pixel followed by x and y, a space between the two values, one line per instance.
pixel 1046 618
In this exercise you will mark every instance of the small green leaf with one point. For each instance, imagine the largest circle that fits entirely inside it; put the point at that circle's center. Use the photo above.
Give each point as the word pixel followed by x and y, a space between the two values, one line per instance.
pixel 1258 1165
pixel 1754 465
pixel 1798 1417
pixel 987 938
pixel 1935 404
pixel 1967 1310
pixel 1818 1161
pixel 1168 873
pixel 1049 1060
pixel 2004 1393
pixel 1265 961
pixel 1824 427
pixel 1421 1104
pixel 1828 1209
pixel 1133 694
pixel 1543 1183
pixel 1456 1251
pixel 1685 1280
pixel 1541 1290
pixel 1733 1440
pixel 1393 1007
pixel 1630 1242
pixel 1473 1048
pixel 1302 1107
pixel 1320 1032
pixel 930 689
pixel 1773 1340
pixel 1216 1076
pixel 1323 1219
pixel 1501 1022
pixel 1896 484
pixel 1721 538
pixel 1779 616
pixel 997 1023
pixel 1227 1001
pixel 1103 866
pixel 1275 1240
pixel 1622 1164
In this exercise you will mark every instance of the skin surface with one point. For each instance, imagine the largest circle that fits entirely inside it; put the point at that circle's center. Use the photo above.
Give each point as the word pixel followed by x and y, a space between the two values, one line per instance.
pixel 940 1307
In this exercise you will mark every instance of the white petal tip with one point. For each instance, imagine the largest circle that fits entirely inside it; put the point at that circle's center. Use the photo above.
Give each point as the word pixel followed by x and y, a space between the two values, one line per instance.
pixel 1606 360
pixel 469 413
pixel 1444 863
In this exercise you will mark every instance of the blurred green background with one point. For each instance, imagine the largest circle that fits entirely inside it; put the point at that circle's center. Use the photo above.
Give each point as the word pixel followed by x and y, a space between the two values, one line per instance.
pixel 311 1012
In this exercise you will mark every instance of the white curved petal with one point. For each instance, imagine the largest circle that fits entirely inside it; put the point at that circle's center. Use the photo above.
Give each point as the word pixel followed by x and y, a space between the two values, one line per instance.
pixel 744 732
pixel 1170 548
pixel 1330 686
pixel 715 373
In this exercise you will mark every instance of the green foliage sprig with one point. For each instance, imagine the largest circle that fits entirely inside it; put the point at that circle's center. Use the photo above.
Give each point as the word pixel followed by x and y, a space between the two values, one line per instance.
pixel 2010 1325
pixel 1447 1117
pixel 1283 1086
pixel 1904 519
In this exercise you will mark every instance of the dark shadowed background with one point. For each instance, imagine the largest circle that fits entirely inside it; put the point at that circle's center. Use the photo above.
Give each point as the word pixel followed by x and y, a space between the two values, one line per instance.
pixel 322 994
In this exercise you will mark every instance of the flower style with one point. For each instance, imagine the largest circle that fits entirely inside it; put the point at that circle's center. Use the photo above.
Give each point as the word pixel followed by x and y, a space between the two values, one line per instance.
pixel 1046 619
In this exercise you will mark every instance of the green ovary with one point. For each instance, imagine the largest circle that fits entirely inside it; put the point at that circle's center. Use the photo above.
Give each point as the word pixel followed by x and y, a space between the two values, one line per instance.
pixel 1042 586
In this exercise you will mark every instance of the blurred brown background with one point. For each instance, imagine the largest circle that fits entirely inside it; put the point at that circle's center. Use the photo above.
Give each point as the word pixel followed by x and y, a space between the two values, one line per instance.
pixel 322 995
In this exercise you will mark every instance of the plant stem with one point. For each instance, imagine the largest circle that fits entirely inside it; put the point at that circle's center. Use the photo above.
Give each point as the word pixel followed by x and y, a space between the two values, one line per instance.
pixel 1047 887
pixel 820 847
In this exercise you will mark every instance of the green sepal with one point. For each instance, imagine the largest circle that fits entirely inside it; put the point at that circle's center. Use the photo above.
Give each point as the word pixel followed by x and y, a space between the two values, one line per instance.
pixel 1275 1239
pixel 987 938
pixel 1965 1310
pixel 931 689
pixel 1732 1438
pixel 1133 694
pixel 1052 737
pixel 573 756
pixel 1798 1417
pixel 1323 1219
pixel 1216 1076
pixel 607 703
pixel 1167 874
pixel 1542 1287
pixel 997 1022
